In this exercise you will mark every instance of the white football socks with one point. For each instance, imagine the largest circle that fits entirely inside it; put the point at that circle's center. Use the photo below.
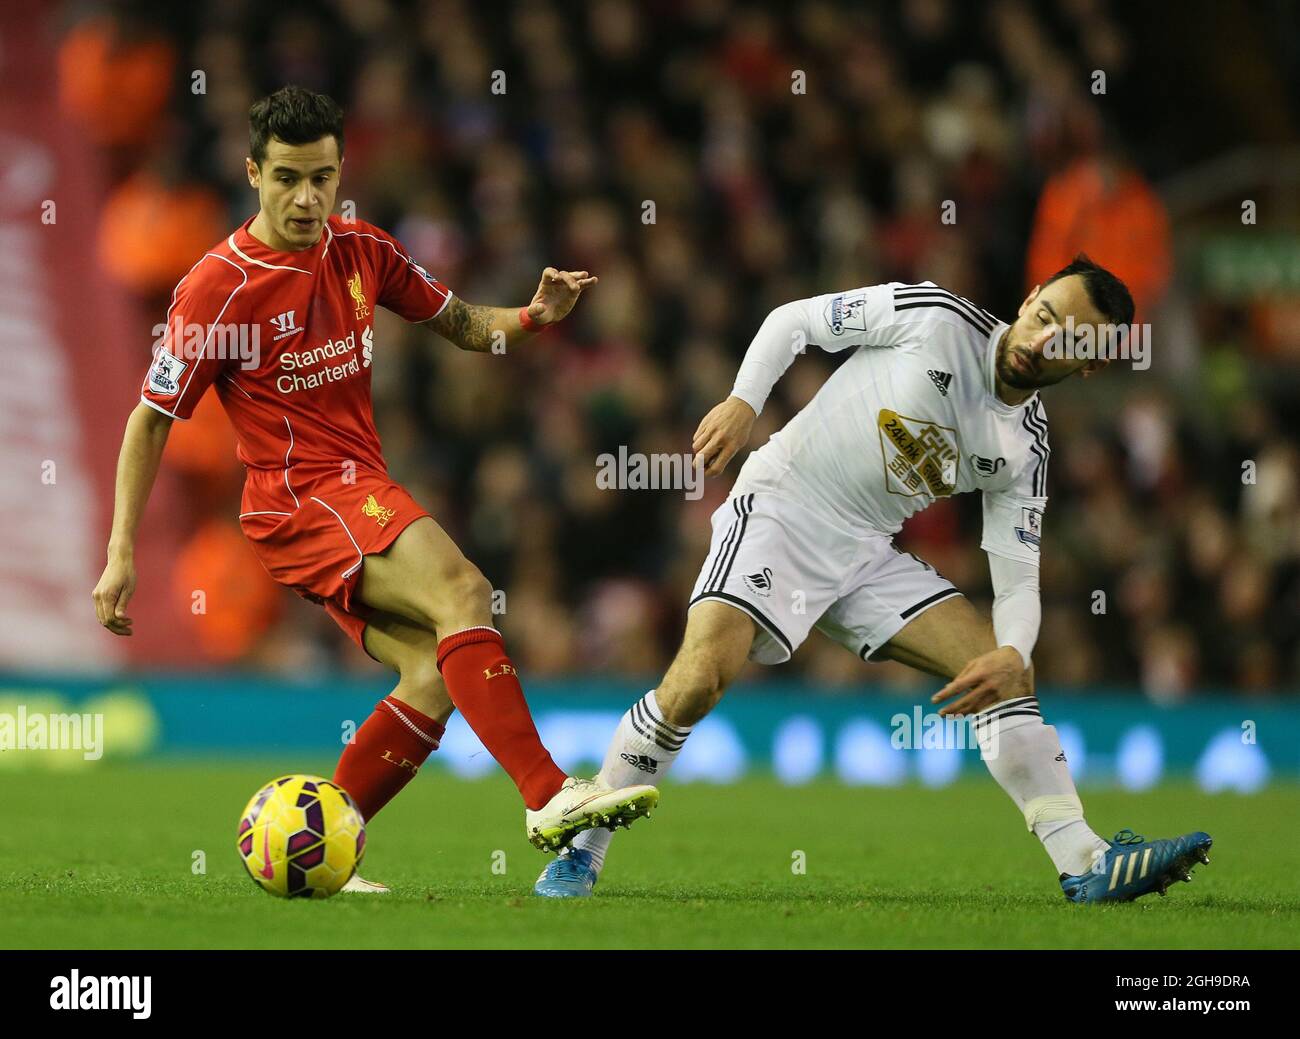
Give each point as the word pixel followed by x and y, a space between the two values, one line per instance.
pixel 1026 759
pixel 1021 753
pixel 643 748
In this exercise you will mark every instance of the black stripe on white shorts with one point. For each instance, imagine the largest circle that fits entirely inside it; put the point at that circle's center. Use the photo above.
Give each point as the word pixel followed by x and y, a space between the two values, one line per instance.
pixel 742 505
pixel 867 651
pixel 760 618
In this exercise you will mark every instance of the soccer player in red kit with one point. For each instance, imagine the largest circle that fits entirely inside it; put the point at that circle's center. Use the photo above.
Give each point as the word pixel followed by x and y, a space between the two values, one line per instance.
pixel 318 505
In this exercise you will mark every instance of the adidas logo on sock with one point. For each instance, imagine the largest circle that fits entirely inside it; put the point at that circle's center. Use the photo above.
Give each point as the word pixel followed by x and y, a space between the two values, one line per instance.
pixel 641 761
pixel 941 380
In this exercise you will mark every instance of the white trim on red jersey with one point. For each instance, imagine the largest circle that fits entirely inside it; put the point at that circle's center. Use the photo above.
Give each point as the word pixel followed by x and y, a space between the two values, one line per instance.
pixel 287 451
pixel 212 328
pixel 146 400
pixel 261 263
pixel 361 558
pixel 447 293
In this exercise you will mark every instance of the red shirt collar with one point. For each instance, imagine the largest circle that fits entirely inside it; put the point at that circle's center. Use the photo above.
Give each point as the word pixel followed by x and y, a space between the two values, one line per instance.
pixel 305 259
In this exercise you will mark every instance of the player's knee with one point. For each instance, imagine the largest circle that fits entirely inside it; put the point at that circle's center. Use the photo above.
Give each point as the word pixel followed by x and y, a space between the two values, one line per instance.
pixel 462 596
pixel 1027 681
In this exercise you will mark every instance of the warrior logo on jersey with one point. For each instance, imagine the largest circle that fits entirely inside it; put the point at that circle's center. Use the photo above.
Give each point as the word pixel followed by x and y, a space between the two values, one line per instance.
pixel 285 325
pixel 376 511
pixel 848 310
pixel 165 375
pixel 1030 531
pixel 358 295
pixel 920 456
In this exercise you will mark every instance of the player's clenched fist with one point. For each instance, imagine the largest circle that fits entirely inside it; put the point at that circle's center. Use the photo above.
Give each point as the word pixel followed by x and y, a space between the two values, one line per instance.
pixel 557 293
pixel 721 433
pixel 113 592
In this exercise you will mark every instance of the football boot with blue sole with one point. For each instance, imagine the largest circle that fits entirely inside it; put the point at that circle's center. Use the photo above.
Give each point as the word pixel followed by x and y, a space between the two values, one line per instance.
pixel 571 875
pixel 1134 867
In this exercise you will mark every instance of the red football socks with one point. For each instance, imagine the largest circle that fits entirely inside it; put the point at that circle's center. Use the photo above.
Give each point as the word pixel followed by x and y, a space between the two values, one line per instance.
pixel 485 688
pixel 385 754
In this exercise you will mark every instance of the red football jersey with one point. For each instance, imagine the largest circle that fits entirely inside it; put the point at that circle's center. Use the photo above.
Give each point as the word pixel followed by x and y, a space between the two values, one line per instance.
pixel 287 338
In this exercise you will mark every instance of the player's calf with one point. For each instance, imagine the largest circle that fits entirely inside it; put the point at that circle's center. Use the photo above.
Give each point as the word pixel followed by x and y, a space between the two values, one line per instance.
pixel 421 686
pixel 714 649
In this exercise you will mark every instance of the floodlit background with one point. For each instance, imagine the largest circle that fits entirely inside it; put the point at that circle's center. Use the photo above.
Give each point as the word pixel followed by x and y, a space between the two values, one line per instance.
pixel 788 150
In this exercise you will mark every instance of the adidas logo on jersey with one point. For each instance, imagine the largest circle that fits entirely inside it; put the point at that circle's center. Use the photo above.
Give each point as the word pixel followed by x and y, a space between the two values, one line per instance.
pixel 941 380
pixel 641 761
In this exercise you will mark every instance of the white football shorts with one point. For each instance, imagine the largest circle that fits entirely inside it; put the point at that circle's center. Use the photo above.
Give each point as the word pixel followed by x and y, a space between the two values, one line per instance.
pixel 791 570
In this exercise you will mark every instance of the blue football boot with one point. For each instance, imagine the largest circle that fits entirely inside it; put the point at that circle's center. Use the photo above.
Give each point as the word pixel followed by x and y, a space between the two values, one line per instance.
pixel 572 874
pixel 1134 867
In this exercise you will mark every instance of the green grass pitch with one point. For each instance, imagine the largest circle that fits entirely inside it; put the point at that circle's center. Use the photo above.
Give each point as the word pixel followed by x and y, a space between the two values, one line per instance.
pixel 104 860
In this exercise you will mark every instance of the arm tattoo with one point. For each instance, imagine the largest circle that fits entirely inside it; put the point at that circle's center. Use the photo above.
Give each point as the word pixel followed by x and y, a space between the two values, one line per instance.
pixel 465 324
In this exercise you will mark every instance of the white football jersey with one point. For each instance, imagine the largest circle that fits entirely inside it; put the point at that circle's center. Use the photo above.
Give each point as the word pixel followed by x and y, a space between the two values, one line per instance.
pixel 912 416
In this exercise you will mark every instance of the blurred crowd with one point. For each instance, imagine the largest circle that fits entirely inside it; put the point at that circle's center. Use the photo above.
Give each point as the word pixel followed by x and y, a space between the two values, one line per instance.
pixel 788 150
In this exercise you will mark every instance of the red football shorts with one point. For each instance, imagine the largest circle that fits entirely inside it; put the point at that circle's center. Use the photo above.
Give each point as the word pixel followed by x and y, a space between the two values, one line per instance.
pixel 312 527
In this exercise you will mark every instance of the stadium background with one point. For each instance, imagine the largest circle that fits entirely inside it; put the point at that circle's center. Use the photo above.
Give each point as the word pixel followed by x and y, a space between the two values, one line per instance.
pixel 131 118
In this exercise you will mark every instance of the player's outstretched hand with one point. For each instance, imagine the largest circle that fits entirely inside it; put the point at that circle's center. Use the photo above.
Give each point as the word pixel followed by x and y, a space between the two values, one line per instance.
pixel 113 592
pixel 986 680
pixel 721 433
pixel 557 293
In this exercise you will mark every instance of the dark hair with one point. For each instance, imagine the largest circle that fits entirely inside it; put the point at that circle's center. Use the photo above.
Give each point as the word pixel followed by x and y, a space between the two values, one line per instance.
pixel 1108 294
pixel 294 115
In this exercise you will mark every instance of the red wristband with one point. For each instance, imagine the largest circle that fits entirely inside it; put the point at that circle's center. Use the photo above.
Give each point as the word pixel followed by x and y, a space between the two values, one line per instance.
pixel 527 323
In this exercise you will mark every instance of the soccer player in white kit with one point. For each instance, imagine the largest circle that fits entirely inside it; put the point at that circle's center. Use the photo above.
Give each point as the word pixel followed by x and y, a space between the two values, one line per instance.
pixel 939 398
